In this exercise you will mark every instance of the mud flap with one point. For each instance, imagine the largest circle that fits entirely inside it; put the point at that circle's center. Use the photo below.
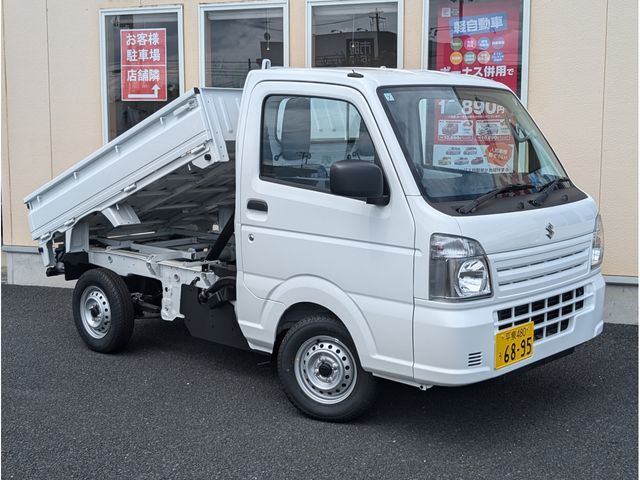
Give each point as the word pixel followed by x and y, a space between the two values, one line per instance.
pixel 218 325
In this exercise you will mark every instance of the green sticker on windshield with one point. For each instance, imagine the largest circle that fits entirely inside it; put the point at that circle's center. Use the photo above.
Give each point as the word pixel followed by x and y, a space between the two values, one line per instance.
pixel 388 96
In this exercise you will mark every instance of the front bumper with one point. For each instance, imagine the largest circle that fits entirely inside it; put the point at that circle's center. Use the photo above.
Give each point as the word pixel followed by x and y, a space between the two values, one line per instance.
pixel 454 344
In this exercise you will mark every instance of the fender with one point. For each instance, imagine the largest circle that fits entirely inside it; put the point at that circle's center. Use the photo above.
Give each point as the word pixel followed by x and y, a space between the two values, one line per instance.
pixel 312 289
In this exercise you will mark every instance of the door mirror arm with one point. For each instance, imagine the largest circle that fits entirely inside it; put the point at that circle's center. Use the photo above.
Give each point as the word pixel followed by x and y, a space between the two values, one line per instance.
pixel 380 201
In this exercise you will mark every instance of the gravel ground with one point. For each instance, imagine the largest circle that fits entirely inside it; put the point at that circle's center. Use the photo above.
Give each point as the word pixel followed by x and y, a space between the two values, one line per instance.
pixel 172 406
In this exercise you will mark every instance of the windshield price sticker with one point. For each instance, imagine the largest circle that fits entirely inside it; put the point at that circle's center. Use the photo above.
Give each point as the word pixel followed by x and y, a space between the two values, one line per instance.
pixel 473 136
pixel 514 345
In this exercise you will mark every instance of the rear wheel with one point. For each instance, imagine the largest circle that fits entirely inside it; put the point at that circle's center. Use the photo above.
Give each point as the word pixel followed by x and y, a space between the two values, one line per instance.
pixel 103 310
pixel 321 373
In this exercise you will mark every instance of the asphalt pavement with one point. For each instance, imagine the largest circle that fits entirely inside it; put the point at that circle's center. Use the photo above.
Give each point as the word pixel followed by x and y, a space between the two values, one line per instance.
pixel 171 406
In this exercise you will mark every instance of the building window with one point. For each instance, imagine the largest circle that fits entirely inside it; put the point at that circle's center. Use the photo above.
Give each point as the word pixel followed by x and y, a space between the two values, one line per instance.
pixel 484 38
pixel 355 34
pixel 141 65
pixel 235 39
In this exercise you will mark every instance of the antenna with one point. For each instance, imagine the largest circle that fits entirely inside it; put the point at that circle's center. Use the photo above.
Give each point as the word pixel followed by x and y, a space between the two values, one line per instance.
pixel 266 64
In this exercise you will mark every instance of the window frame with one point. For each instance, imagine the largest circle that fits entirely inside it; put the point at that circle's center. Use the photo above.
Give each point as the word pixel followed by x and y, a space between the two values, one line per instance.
pixel 526 23
pixel 342 3
pixel 204 8
pixel 106 12
pixel 286 183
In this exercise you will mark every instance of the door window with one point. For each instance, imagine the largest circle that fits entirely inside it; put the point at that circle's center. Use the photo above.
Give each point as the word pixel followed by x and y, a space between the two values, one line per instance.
pixel 302 137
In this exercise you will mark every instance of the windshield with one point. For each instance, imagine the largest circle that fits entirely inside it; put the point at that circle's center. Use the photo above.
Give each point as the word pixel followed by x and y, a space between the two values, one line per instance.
pixel 463 142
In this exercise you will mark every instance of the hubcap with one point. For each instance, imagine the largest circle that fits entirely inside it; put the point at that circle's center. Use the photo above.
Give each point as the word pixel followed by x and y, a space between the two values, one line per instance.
pixel 95 312
pixel 325 369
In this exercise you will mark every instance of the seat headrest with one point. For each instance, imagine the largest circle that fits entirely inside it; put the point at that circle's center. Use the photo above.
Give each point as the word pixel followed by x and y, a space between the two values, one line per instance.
pixel 296 129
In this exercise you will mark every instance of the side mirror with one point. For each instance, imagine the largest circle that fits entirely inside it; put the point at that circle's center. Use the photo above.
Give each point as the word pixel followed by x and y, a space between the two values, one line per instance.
pixel 357 178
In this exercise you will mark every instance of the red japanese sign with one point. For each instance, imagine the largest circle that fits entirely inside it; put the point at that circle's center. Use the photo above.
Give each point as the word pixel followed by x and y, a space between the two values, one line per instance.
pixel 143 61
pixel 482 38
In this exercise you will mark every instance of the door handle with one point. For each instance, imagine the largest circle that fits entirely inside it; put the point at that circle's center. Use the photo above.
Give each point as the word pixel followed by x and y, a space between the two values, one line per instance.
pixel 259 205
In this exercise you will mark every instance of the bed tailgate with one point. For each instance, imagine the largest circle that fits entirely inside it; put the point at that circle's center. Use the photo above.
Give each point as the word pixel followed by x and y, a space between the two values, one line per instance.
pixel 191 129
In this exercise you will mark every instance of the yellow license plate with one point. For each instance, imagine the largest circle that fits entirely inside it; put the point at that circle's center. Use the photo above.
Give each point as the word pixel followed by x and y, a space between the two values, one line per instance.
pixel 514 344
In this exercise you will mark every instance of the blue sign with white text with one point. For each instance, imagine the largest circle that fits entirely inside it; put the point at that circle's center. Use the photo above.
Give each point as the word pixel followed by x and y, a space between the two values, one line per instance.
pixel 489 23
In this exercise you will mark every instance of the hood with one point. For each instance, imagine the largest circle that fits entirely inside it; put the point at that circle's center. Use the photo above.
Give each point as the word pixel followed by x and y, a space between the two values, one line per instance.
pixel 523 229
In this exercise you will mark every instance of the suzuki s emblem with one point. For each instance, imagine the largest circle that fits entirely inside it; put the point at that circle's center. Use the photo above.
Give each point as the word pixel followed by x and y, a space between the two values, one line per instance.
pixel 549 230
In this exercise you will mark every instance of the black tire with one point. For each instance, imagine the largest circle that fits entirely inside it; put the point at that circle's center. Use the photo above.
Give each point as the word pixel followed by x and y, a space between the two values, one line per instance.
pixel 103 310
pixel 329 337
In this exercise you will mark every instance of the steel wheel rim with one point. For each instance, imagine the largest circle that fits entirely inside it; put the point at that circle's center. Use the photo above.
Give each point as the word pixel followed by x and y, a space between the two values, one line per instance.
pixel 95 312
pixel 325 369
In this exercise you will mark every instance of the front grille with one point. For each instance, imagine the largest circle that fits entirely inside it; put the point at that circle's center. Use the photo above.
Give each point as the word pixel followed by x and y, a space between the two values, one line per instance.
pixel 550 315
pixel 540 268
pixel 524 271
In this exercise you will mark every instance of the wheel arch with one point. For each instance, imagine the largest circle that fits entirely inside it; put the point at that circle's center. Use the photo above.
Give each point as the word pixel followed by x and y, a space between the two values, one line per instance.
pixel 294 314
pixel 306 294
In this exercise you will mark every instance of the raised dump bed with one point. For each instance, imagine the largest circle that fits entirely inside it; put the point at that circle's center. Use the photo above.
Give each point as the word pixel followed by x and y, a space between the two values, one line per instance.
pixel 163 185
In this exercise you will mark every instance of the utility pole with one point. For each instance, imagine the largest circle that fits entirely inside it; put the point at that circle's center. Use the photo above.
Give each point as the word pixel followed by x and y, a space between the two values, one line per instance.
pixel 377 34
pixel 377 18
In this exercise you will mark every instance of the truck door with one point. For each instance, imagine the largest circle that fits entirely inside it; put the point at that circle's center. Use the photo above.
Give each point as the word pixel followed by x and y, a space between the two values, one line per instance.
pixel 298 242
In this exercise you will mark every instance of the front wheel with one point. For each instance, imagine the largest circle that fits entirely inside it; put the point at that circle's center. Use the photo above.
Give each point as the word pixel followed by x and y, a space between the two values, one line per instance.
pixel 321 373
pixel 103 310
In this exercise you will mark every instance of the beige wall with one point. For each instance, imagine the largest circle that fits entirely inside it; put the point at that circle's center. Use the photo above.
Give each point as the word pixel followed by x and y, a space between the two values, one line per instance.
pixel 619 166
pixel 4 146
pixel 26 108
pixel 582 91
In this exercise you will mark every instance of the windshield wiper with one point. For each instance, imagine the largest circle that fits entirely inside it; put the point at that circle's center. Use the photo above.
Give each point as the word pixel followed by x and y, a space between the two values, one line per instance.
pixel 471 206
pixel 546 189
pixel 445 169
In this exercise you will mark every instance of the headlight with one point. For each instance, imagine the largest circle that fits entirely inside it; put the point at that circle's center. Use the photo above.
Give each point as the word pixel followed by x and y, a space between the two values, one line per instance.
pixel 458 269
pixel 597 244
pixel 472 278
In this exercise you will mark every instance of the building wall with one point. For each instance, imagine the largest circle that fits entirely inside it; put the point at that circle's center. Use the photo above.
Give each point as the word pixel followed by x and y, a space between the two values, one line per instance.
pixel 619 166
pixel 582 92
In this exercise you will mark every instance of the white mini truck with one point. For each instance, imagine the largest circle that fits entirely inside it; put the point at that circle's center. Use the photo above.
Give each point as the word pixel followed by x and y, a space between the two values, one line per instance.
pixel 409 225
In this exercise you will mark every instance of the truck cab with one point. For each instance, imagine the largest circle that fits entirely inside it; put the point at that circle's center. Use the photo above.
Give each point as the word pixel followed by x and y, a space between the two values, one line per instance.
pixel 351 236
